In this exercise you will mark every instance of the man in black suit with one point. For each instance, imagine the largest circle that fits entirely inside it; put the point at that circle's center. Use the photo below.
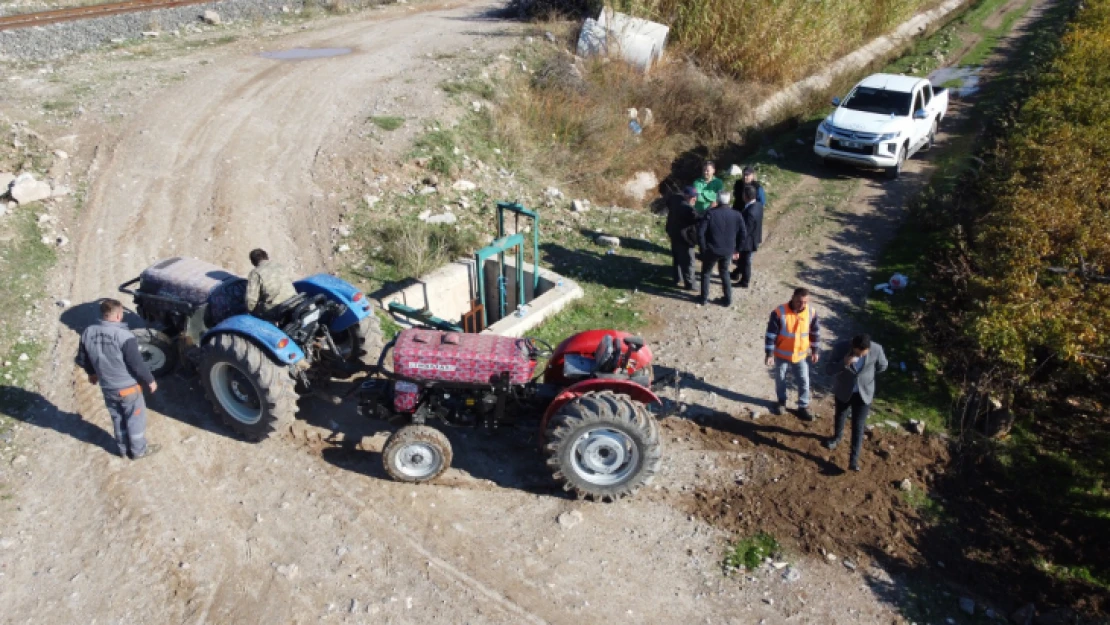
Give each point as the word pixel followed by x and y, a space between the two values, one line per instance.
pixel 752 214
pixel 680 218
pixel 854 363
pixel 718 231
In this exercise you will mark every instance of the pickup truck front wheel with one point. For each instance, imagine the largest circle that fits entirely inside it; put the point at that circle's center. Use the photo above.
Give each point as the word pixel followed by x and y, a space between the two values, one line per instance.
pixel 896 171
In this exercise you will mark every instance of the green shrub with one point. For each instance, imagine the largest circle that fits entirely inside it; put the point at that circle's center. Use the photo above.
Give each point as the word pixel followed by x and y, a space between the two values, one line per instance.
pixel 413 248
pixel 750 552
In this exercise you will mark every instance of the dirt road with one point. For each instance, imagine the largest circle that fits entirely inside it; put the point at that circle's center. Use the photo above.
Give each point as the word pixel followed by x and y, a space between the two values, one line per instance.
pixel 246 152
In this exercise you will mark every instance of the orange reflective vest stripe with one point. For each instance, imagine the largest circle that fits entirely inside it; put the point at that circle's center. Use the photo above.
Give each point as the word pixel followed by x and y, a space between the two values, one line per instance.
pixel 792 343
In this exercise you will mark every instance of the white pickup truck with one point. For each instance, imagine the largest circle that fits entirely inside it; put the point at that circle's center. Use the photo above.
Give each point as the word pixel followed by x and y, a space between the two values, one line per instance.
pixel 883 121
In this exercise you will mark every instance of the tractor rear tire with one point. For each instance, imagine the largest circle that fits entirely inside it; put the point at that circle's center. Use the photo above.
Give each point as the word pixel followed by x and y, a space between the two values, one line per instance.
pixel 603 445
pixel 158 351
pixel 252 394
pixel 362 341
pixel 417 454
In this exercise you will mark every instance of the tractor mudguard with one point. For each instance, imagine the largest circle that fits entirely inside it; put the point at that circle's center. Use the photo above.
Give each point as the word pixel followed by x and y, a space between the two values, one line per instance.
pixel 358 305
pixel 584 344
pixel 265 335
pixel 621 387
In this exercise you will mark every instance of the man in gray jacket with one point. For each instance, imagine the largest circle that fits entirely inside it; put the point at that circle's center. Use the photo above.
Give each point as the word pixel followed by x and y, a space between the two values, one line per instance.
pixel 854 363
pixel 109 354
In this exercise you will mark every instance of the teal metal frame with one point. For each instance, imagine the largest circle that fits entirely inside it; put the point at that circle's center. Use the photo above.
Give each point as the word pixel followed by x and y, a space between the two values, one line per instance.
pixel 498 248
pixel 424 317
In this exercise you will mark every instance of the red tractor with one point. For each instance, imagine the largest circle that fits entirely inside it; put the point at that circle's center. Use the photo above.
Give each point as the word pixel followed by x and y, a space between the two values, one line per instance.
pixel 599 438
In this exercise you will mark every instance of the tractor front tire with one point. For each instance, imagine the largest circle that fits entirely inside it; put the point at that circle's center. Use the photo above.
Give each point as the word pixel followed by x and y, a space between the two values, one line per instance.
pixel 252 394
pixel 158 351
pixel 417 454
pixel 603 445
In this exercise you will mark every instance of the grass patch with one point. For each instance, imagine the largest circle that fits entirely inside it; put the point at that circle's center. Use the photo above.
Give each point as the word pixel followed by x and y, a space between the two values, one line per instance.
pixel 989 37
pixel 24 261
pixel 387 123
pixel 475 86
pixel 930 509
pixel 750 552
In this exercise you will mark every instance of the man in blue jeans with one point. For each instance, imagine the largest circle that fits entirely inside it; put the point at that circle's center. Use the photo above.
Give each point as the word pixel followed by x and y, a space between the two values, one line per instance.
pixel 854 363
pixel 793 337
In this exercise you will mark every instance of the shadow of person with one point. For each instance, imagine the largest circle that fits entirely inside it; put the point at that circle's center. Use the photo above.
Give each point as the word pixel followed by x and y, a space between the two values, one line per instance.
pixel 34 409
pixel 81 316
pixel 666 376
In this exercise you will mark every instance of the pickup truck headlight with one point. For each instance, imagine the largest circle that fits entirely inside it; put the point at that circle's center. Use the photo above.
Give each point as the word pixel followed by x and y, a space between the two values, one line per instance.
pixel 825 127
pixel 890 135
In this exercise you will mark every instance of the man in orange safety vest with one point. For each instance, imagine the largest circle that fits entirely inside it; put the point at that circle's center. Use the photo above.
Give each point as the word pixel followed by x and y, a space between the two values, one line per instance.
pixel 793 337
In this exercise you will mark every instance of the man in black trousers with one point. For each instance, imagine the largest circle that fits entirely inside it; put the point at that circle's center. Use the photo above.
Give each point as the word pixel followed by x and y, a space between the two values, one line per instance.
pixel 752 213
pixel 718 232
pixel 854 363
pixel 680 219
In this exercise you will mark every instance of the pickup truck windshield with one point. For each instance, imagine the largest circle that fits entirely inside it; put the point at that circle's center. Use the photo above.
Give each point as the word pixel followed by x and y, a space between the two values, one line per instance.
pixel 880 101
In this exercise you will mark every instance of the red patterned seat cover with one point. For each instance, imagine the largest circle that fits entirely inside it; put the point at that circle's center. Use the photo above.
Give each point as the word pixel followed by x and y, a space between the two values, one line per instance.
pixel 467 358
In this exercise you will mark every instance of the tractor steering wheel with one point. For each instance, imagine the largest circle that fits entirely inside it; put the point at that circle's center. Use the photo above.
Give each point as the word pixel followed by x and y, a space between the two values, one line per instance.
pixel 535 344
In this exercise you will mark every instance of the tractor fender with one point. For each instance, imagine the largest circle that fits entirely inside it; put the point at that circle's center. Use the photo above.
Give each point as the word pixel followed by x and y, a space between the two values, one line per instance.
pixel 263 334
pixel 621 387
pixel 357 303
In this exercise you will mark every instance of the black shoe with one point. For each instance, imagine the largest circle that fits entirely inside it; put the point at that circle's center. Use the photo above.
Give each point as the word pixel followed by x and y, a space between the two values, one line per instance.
pixel 743 285
pixel 854 466
pixel 687 287
pixel 831 444
pixel 723 302
pixel 702 301
pixel 804 414
pixel 779 409
pixel 150 451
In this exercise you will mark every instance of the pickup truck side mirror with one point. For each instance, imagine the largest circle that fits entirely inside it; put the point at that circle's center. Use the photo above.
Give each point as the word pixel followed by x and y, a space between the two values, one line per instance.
pixel 920 114
pixel 836 101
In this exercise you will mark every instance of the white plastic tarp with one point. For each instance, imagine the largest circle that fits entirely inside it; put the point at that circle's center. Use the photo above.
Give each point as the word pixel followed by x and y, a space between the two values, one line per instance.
pixel 638 41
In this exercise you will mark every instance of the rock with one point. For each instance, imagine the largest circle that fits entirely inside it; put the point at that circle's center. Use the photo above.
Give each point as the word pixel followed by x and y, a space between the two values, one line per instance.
pixel 633 114
pixel 553 193
pixel 570 519
pixel 63 303
pixel 791 575
pixel 6 180
pixel 429 191
pixel 917 427
pixel 1060 616
pixel 343 231
pixel 445 218
pixel 735 170
pixel 25 189
pixel 608 241
pixel 61 240
pixel 580 206
pixel 354 606
pixel 61 154
pixel 476 106
pixel 343 249
pixel 647 118
pixel 831 557
pixel 431 180
pixel 849 564
pixel 905 485
pixel 967 606
pixel 464 186
pixel 640 185
pixel 211 17
pixel 768 601
pixel 151 34
pixel 24 358
pixel 550 36
pixel 1024 615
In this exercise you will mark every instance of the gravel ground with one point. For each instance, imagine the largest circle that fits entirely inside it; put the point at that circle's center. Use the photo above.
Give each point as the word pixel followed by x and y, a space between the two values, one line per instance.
pixel 43 43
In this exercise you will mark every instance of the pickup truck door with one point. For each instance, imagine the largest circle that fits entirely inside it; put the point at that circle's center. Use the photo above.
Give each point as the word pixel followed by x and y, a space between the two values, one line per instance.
pixel 921 127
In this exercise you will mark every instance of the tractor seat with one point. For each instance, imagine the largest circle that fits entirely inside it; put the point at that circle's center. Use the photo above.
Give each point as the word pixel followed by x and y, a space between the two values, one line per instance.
pixel 606 359
pixel 278 313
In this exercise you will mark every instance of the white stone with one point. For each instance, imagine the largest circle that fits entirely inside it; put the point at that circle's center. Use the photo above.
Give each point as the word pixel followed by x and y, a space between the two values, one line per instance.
pixel 211 17
pixel 464 186
pixel 570 519
pixel 371 200
pixel 428 191
pixel 640 185
pixel 476 106
pixel 151 34
pixel 61 240
pixel 905 485
pixel 445 218
pixel 580 206
pixel 61 154
pixel 553 193
pixel 25 189
pixel 610 241
pixel 63 303
pixel 24 357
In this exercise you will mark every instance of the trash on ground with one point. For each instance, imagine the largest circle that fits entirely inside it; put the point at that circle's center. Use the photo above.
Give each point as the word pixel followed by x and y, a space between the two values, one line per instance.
pixel 638 41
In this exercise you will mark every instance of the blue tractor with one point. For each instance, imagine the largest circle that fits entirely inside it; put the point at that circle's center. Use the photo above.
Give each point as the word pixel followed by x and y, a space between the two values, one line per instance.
pixel 252 368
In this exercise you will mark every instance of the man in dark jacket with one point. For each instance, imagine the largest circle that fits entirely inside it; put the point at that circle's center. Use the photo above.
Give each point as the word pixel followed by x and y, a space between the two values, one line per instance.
pixel 854 363
pixel 681 217
pixel 752 214
pixel 718 231
pixel 748 180
pixel 109 354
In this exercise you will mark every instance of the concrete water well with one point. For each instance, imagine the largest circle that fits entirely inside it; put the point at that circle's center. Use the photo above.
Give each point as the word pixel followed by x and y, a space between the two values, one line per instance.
pixel 458 294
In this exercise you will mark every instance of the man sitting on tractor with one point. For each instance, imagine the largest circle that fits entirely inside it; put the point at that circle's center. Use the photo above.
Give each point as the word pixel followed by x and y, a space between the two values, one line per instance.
pixel 268 285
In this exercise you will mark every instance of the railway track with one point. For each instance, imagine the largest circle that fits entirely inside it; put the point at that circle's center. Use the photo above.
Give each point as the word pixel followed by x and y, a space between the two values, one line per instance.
pixel 41 18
